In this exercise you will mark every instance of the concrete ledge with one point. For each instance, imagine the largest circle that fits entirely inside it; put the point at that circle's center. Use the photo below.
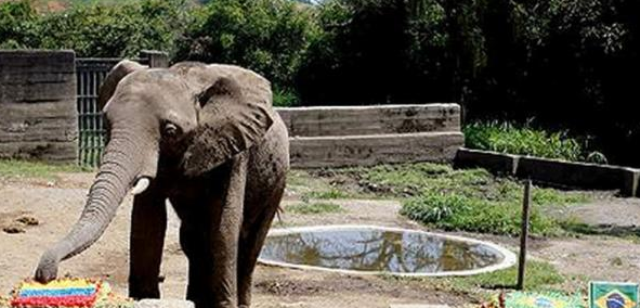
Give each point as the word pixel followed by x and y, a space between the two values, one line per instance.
pixel 37 61
pixel 554 172
pixel 370 120
pixel 631 179
pixel 573 174
pixel 495 162
pixel 369 150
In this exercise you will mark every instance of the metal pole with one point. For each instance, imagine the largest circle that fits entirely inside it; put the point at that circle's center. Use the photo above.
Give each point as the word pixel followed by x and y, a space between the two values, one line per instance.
pixel 524 234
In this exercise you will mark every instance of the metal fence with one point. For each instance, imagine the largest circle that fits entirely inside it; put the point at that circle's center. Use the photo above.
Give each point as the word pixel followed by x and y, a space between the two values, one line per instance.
pixel 91 73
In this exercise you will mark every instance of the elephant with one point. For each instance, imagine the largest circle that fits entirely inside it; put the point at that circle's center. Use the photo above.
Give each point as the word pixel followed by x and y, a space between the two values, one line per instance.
pixel 205 138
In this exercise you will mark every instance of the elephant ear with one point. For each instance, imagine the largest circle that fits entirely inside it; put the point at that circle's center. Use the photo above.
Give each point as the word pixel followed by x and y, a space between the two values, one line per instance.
pixel 230 121
pixel 121 70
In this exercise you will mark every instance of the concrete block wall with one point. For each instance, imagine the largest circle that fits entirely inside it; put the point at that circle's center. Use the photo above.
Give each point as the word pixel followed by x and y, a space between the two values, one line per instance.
pixel 38 116
pixel 370 135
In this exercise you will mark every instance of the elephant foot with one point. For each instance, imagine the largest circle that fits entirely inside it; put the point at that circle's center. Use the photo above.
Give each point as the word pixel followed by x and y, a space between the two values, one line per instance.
pixel 141 290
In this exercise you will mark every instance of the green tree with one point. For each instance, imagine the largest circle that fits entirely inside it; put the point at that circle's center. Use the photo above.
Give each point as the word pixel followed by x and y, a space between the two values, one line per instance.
pixel 17 25
pixel 268 36
pixel 95 30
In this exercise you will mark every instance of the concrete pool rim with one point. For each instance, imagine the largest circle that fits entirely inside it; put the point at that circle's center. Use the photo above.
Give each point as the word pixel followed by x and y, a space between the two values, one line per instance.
pixel 509 258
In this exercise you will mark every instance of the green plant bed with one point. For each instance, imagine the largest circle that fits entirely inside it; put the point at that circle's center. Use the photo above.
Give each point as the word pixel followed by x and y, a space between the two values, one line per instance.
pixel 505 137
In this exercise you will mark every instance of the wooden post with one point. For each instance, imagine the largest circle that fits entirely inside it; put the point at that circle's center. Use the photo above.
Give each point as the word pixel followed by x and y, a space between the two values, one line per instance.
pixel 156 58
pixel 524 234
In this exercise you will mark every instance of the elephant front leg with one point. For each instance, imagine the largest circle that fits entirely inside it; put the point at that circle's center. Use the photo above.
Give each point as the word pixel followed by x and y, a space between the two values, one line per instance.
pixel 225 235
pixel 148 226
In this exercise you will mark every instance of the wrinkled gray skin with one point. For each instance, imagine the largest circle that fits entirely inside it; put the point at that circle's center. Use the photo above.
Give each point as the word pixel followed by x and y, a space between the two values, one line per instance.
pixel 209 141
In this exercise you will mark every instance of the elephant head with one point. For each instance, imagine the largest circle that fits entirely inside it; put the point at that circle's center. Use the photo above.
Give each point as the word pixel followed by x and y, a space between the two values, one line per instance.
pixel 189 119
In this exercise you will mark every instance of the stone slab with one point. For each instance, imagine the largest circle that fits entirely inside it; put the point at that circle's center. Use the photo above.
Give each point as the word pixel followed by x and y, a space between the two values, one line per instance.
pixel 370 120
pixel 370 150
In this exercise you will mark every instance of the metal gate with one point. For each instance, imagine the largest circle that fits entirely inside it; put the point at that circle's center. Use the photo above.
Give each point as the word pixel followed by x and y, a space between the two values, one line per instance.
pixel 91 73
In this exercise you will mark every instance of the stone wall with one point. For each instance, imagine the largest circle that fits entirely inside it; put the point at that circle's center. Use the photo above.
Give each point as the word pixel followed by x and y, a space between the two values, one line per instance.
pixel 371 135
pixel 38 116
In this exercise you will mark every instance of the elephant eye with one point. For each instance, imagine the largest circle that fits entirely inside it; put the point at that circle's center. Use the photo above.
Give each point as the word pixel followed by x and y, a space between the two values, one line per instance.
pixel 171 130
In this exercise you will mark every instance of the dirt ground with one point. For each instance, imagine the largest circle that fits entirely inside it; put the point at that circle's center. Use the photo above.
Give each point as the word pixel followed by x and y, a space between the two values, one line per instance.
pixel 41 212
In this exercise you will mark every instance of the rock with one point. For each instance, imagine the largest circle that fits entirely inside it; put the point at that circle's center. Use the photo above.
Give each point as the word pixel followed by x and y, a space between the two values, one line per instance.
pixel 163 303
pixel 28 220
pixel 13 230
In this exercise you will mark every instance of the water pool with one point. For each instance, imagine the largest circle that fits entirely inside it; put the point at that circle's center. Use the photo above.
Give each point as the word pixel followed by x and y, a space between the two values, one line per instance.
pixel 374 250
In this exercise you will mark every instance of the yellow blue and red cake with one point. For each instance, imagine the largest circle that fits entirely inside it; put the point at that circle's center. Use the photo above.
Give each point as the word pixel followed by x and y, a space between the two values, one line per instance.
pixel 66 293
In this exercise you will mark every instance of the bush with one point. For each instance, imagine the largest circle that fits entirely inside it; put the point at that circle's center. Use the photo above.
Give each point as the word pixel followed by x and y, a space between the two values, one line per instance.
pixel 456 212
pixel 285 98
pixel 526 140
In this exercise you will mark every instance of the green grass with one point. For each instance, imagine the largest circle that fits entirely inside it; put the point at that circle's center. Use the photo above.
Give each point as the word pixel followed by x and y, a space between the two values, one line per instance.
pixel 458 212
pixel 309 186
pixel 526 140
pixel 540 277
pixel 314 208
pixel 466 200
pixel 330 193
pixel 28 169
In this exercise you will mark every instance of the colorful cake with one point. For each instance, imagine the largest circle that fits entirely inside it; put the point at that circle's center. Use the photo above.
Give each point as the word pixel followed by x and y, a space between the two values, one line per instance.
pixel 66 293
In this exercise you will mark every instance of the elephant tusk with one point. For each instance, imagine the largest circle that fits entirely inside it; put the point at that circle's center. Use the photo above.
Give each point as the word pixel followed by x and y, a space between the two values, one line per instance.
pixel 141 185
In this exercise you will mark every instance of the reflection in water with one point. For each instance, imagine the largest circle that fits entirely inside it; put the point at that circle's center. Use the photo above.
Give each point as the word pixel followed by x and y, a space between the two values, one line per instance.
pixel 374 250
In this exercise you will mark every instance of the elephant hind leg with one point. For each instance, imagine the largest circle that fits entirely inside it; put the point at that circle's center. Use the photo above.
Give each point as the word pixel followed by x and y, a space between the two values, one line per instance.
pixel 251 241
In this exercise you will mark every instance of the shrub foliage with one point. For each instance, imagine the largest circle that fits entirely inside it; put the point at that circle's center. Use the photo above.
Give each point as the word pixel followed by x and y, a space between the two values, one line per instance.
pixel 526 140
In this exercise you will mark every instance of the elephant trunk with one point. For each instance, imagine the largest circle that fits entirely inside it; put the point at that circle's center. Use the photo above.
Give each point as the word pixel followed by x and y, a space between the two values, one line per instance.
pixel 127 158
